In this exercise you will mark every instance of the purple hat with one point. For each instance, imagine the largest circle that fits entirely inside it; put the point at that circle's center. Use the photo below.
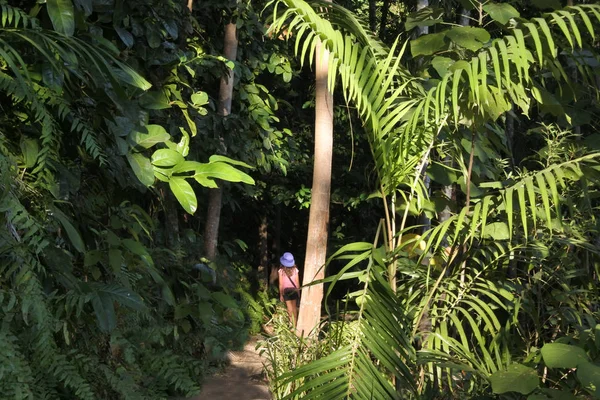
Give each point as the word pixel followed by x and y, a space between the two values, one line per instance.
pixel 287 260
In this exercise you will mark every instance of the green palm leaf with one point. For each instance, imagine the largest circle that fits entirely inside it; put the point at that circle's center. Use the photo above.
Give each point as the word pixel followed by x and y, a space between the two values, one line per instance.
pixel 363 368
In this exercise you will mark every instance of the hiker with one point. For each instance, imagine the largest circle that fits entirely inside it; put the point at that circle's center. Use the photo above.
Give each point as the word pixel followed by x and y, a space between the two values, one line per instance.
pixel 289 285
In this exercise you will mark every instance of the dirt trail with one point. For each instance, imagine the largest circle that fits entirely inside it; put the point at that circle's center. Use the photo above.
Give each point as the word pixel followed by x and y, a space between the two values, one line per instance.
pixel 243 379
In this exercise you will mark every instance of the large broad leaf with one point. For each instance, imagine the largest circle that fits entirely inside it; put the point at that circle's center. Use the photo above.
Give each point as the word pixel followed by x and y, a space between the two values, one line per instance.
pixel 62 16
pixel 468 37
pixel 501 12
pixel 126 36
pixel 105 311
pixel 441 65
pixel 206 173
pixel 428 44
pixel 589 377
pixel 155 100
pixel 184 193
pixel 72 233
pixel 559 355
pixel 30 149
pixel 225 300
pixel 517 378
pixel 156 134
pixel 424 17
pixel 124 296
pixel 142 168
pixel 497 231
pixel 166 158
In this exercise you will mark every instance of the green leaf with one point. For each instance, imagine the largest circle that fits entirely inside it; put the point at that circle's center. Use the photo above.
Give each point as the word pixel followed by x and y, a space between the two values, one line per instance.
pixel 142 168
pixel 184 193
pixel 72 233
pixel 441 174
pixel 105 311
pixel 114 260
pixel 225 300
pixel 589 377
pixel 501 12
pixel 427 44
pixel 497 231
pixel 516 378
pixel 441 64
pixel 155 134
pixel 424 17
pixel 155 100
pixel 199 98
pixel 206 173
pixel 30 149
pixel 86 6
pixel 216 157
pixel 61 14
pixel 468 37
pixel 166 158
pixel 124 296
pixel 559 355
pixel 126 36
pixel 92 257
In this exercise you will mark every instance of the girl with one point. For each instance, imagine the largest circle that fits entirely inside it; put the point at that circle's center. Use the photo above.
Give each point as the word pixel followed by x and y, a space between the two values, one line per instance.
pixel 289 285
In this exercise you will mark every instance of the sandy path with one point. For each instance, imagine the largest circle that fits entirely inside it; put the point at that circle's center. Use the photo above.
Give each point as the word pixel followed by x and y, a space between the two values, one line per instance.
pixel 243 379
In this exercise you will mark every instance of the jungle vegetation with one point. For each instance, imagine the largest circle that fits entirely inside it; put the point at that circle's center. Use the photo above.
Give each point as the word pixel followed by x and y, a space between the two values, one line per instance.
pixel 157 157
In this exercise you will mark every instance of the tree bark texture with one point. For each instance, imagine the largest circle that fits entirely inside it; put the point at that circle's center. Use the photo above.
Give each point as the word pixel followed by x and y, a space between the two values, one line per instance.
pixel 263 245
pixel 215 196
pixel 373 15
pixel 171 218
pixel 318 222
pixel 384 12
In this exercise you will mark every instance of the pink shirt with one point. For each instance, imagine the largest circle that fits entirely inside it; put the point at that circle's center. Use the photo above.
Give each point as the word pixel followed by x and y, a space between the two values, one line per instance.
pixel 288 281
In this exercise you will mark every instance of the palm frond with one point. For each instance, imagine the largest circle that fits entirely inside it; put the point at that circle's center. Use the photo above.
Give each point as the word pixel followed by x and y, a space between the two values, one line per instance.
pixel 378 350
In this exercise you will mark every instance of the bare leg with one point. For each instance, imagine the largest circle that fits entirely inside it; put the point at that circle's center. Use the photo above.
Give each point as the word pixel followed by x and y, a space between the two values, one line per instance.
pixel 291 308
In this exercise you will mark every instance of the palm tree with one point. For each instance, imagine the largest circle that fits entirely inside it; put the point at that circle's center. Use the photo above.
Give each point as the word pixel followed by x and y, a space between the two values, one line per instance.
pixel 318 222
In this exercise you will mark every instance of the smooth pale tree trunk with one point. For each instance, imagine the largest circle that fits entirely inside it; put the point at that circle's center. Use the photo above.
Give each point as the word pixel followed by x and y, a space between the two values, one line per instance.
pixel 318 222
pixel 213 212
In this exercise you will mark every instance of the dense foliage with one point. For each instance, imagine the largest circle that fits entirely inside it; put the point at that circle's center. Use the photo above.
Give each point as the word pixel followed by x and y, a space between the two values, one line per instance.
pixel 482 280
pixel 464 207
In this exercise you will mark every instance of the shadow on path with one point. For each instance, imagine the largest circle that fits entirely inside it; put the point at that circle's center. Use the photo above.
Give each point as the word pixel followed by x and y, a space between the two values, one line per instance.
pixel 243 379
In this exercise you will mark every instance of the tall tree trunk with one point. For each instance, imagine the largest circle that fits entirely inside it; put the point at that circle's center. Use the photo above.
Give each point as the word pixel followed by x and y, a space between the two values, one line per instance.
pixel 318 221
pixel 213 213
pixel 171 218
pixel 263 245
pixel 373 15
pixel 423 30
pixel 384 13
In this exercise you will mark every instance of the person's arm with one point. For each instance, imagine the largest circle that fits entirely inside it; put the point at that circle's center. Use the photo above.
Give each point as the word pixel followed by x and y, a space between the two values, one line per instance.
pixel 297 279
pixel 280 285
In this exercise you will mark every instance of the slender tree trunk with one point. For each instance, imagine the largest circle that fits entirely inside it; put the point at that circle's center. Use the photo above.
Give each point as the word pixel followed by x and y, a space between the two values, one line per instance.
pixel 423 30
pixel 373 15
pixel 213 216
pixel 276 245
pixel 384 13
pixel 318 222
pixel 171 218
pixel 263 269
